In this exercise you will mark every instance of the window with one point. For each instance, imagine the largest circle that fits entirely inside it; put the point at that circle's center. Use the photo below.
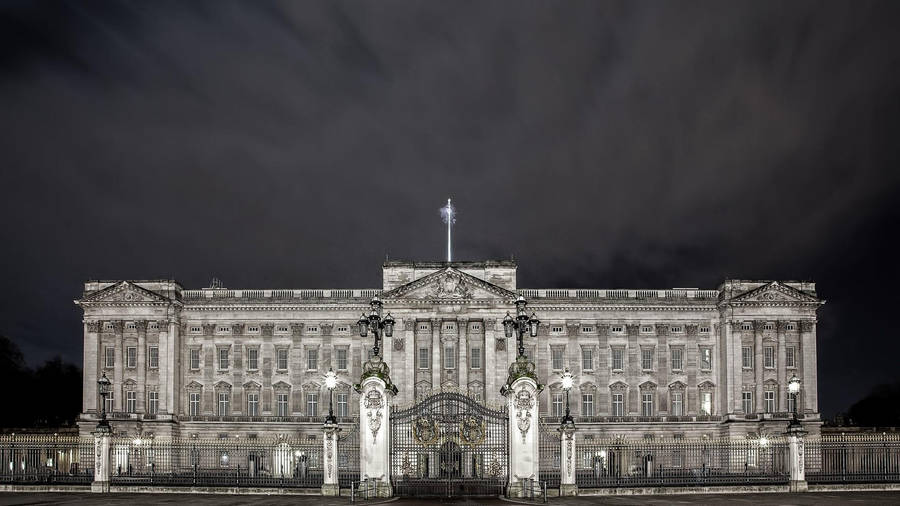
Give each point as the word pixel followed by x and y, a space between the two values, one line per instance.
pixel 110 356
pixel 618 404
pixel 647 329
pixel 769 357
pixel 342 329
pixel 790 326
pixel 704 329
pixel 109 326
pixel 194 404
pixel 224 400
pixel 312 359
pixel 423 326
pixel 769 397
pixel 449 357
pixel 223 358
pixel 282 329
pixel 647 404
pixel 312 404
pixel 152 402
pixel 677 403
pixel 790 360
pixel 646 359
pixel 768 326
pixel 677 359
pixel 253 404
pixel 556 356
pixel 154 326
pixel 556 329
pixel 195 330
pixel 706 403
pixel 131 357
pixel 475 358
pixel 253 329
pixel 312 329
pixel 675 329
pixel 423 358
pixel 281 405
pixel 705 359
pixel 341 358
pixel 617 329
pixel 131 401
pixel 587 330
pixel 153 357
pixel 557 404
pixel 224 329
pixel 110 402
pixel 130 326
pixel 253 359
pixel 476 326
pixel 747 357
pixel 587 404
pixel 618 359
pixel 587 359
pixel 342 410
pixel 791 400
pixel 746 326
pixel 282 359
pixel 747 402
pixel 449 326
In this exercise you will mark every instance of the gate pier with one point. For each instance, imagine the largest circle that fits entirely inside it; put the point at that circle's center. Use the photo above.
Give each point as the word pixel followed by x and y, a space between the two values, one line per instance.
pixel 521 392
pixel 375 399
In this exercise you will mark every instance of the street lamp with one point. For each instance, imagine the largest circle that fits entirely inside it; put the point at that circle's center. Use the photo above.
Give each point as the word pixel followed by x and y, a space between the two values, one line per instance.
pixel 794 390
pixel 521 324
pixel 375 323
pixel 330 383
pixel 567 382
pixel 104 387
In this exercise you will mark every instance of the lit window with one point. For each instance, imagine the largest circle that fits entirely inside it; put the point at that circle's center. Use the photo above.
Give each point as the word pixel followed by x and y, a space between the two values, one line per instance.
pixel 130 357
pixel 747 357
pixel 646 359
pixel 557 357
pixel 131 401
pixel 747 402
pixel 587 359
pixel 342 405
pixel 252 359
pixel 618 405
pixel 647 404
pixel 769 397
pixel 281 405
pixel 224 400
pixel 677 359
pixel 769 357
pixel 790 357
pixel 253 404
pixel 705 403
pixel 153 357
pixel 475 358
pixel 557 404
pixel 587 404
pixel 282 359
pixel 618 359
pixel 705 359
pixel 152 402
pixel 677 404
pixel 110 356
pixel 423 358
pixel 223 358
pixel 449 357
pixel 341 356
pixel 194 406
pixel 312 404
pixel 312 359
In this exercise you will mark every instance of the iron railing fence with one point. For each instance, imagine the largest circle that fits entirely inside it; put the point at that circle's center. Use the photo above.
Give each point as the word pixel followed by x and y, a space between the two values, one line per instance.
pixel 853 458
pixel 46 458
pixel 348 455
pixel 231 462
pixel 681 462
pixel 549 454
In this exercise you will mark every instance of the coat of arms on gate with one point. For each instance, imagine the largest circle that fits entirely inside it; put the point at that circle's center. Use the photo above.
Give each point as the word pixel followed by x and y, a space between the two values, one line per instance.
pixel 425 430
pixel 472 430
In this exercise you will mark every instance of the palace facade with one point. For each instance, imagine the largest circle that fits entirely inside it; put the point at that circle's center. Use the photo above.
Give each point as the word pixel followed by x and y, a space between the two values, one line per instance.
pixel 680 362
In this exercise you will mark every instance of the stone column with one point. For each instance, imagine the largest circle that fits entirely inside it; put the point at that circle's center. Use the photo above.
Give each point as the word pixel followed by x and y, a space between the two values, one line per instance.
pixel 374 444
pixel 119 369
pixel 101 458
pixel 435 354
pixel 330 485
pixel 462 329
pixel 523 433
pixel 781 327
pixel 758 364
pixel 798 472
pixel 141 365
pixel 490 355
pixel 567 484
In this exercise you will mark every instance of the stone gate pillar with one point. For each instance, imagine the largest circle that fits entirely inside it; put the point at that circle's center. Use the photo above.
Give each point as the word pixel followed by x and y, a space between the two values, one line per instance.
pixel 330 485
pixel 521 391
pixel 567 462
pixel 795 435
pixel 101 458
pixel 376 393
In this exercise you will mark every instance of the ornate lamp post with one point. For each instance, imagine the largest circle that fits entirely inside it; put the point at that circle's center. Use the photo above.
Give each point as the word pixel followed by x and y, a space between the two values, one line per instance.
pixel 521 324
pixel 567 381
pixel 793 391
pixel 330 383
pixel 376 324
pixel 104 386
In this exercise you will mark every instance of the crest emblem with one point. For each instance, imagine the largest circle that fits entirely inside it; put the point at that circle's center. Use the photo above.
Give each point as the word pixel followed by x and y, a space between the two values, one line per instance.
pixel 425 430
pixel 451 287
pixel 471 430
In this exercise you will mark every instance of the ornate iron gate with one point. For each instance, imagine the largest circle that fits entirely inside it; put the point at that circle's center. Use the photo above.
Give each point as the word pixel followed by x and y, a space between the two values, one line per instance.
pixel 449 445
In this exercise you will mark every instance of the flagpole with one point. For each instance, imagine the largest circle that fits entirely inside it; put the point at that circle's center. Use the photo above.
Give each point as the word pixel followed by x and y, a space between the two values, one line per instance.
pixel 449 222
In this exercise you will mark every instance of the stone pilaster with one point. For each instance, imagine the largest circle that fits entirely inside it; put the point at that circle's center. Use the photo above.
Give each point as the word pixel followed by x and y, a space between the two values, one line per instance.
pixel 435 353
pixel 119 369
pixel 462 365
pixel 758 363
pixel 780 366
pixel 809 389
pixel 92 357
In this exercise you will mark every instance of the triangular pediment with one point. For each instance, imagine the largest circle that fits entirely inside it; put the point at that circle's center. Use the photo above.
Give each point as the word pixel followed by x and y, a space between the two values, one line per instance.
pixel 775 292
pixel 449 284
pixel 124 292
pixel 193 385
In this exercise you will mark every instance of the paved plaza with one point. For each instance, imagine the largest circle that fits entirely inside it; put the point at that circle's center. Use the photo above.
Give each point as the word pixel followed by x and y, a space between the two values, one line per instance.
pixel 812 498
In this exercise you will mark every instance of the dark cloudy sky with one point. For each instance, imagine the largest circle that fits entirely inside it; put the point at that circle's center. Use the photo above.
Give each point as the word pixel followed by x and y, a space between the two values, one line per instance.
pixel 628 144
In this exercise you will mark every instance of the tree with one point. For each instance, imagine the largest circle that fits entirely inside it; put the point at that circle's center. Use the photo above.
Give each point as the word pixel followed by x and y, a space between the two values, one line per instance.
pixel 880 408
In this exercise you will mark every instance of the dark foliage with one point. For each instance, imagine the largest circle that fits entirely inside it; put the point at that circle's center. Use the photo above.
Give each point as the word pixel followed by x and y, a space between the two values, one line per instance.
pixel 881 408
pixel 49 396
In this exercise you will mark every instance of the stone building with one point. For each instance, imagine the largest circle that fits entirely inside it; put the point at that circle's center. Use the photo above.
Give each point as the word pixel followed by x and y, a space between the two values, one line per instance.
pixel 681 362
